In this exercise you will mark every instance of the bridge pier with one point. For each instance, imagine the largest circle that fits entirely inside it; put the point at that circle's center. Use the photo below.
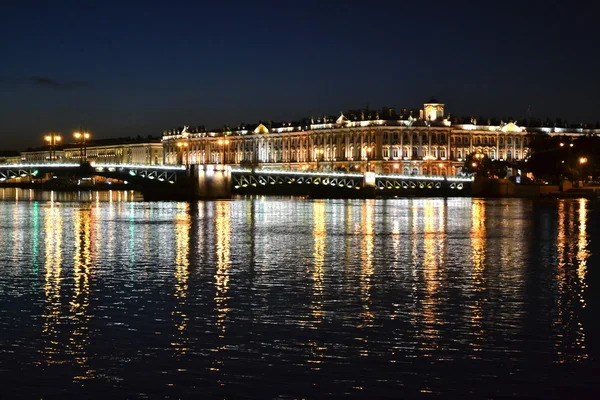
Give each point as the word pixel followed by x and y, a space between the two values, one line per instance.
pixel 199 182
pixel 210 181
pixel 369 187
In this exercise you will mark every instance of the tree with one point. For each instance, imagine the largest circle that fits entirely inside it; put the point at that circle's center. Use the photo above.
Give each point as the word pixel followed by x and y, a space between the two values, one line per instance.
pixel 478 164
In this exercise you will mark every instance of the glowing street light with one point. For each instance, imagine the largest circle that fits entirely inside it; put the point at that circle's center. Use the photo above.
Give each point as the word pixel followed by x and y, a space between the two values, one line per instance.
pixel 52 139
pixel 223 143
pixel 181 146
pixel 82 137
pixel 583 160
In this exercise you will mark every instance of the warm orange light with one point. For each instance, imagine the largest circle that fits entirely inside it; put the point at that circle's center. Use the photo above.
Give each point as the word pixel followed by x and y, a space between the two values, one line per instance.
pixel 220 141
pixel 57 138
pixel 562 145
pixel 474 164
pixel 440 165
pixel 582 160
pixel 48 138
pixel 77 135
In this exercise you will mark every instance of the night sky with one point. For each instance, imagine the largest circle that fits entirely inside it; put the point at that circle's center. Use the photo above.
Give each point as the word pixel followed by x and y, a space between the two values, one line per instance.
pixel 139 68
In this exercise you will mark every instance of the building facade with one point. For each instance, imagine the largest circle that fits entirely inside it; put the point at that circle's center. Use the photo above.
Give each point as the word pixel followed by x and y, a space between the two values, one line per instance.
pixel 125 153
pixel 148 153
pixel 429 145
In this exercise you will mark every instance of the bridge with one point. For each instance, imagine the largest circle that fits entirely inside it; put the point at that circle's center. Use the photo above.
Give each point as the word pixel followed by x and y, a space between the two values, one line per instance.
pixel 221 181
pixel 162 173
pixel 246 180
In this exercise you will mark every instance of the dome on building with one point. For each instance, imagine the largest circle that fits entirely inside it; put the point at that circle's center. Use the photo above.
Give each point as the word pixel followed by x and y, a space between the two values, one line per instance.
pixel 260 129
pixel 511 127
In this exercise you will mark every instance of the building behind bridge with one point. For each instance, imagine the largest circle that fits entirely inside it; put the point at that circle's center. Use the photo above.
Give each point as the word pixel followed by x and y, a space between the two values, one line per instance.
pixel 147 151
pixel 423 142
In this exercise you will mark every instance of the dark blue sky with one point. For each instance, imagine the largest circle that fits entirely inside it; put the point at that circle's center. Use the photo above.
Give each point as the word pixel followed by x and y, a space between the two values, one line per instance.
pixel 129 68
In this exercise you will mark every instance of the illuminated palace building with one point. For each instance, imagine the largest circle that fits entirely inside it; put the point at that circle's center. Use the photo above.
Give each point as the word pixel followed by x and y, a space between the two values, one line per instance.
pixel 382 141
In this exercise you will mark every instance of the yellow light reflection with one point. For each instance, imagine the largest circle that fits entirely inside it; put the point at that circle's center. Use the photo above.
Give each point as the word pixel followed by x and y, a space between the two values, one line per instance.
pixel 223 253
pixel 582 252
pixel 366 272
pixel 79 306
pixel 319 235
pixel 432 240
pixel 582 255
pixel 571 273
pixel 478 255
pixel 51 313
pixel 182 249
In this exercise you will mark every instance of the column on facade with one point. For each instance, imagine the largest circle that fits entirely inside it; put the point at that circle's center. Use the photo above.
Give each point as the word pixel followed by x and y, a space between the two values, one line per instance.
pixel 448 147
pixel 521 140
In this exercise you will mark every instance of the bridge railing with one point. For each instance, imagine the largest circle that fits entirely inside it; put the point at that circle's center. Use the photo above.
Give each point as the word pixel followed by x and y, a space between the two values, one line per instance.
pixel 352 174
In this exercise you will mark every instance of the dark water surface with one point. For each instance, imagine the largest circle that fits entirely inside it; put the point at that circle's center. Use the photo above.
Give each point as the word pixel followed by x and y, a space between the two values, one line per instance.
pixel 259 298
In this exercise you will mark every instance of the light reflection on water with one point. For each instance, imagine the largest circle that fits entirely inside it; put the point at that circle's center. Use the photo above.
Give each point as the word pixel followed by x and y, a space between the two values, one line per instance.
pixel 279 297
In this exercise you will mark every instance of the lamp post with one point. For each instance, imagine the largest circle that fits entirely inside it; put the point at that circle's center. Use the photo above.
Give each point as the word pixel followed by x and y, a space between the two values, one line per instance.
pixel 223 143
pixel 52 139
pixel 568 153
pixel 82 137
pixel 582 162
pixel 369 159
pixel 478 158
pixel 182 146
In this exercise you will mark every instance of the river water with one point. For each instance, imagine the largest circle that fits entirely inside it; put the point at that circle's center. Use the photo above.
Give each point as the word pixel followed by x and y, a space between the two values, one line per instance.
pixel 105 295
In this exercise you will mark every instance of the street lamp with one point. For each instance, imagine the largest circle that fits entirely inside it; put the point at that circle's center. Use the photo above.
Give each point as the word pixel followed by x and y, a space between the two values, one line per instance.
pixel 223 143
pixel 181 146
pixel 82 137
pixel 52 139
pixel 582 162
pixel 369 159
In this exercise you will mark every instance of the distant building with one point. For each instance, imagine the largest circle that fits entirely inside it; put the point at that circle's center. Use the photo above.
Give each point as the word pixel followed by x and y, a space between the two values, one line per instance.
pixel 108 151
pixel 362 140
pixel 9 157
pixel 126 153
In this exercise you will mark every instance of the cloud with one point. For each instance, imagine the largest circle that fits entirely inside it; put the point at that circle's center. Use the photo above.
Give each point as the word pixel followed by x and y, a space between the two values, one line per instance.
pixel 42 81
